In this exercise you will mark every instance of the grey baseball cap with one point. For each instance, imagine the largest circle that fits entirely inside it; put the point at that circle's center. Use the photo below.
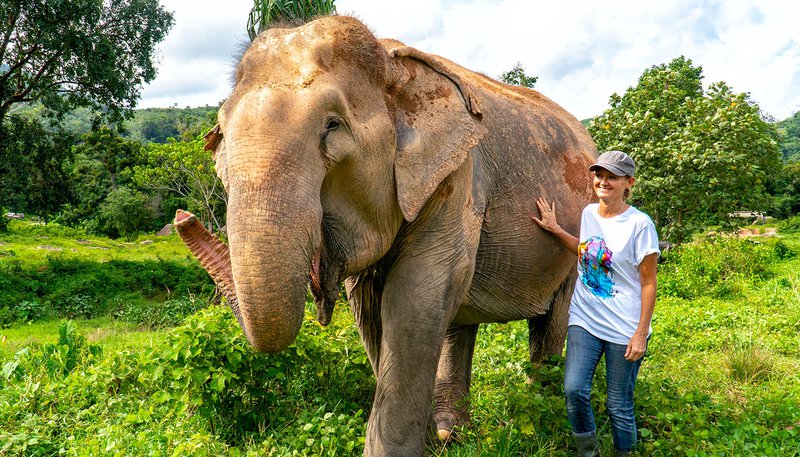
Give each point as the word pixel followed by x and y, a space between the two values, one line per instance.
pixel 616 162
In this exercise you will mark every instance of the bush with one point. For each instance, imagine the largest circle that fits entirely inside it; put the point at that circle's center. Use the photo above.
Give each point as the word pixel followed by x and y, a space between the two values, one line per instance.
pixel 791 225
pixel 28 311
pixel 76 288
pixel 53 361
pixel 158 314
pixel 717 266
pixel 207 366
pixel 126 212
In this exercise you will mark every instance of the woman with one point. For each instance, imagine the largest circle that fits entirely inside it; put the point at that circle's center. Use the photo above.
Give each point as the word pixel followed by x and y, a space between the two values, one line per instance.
pixel 612 303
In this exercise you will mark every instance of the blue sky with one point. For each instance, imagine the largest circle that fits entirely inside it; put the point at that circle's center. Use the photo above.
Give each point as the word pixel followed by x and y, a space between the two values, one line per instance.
pixel 582 51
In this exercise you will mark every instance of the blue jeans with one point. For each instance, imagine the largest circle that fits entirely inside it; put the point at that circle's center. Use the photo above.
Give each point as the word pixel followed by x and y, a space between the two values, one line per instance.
pixel 584 351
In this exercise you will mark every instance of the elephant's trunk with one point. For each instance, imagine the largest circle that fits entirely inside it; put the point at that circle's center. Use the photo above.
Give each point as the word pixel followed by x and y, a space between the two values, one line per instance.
pixel 272 239
pixel 212 253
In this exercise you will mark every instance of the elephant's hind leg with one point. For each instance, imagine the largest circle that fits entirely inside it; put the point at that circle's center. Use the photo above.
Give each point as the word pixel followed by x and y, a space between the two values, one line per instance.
pixel 453 376
pixel 546 333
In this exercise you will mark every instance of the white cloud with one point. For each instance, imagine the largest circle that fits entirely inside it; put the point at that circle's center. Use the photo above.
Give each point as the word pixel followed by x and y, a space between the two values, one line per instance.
pixel 582 51
pixel 197 55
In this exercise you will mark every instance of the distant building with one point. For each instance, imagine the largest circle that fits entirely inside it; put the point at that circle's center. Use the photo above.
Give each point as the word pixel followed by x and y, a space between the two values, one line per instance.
pixel 758 216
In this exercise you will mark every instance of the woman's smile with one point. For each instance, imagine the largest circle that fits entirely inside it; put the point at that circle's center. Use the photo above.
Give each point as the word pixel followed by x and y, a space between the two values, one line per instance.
pixel 607 184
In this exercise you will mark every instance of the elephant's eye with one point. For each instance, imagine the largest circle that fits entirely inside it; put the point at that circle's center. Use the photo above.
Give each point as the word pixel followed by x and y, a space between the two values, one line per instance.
pixel 332 123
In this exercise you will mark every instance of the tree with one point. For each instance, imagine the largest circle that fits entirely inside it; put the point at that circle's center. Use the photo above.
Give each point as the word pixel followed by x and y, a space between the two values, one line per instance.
pixel 67 54
pixel 517 77
pixel 786 189
pixel 789 130
pixel 266 12
pixel 102 163
pixel 114 153
pixel 32 174
pixel 700 154
pixel 126 212
pixel 186 170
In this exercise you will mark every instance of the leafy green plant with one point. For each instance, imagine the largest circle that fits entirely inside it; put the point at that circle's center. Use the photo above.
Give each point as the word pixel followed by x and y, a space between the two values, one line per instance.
pixel 717 266
pixel 4 221
pixel 266 12
pixel 207 366
pixel 30 311
pixel 157 314
pixel 55 360
pixel 791 225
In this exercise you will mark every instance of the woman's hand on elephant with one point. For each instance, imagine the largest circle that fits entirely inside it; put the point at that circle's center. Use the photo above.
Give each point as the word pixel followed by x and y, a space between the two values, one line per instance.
pixel 548 211
pixel 548 222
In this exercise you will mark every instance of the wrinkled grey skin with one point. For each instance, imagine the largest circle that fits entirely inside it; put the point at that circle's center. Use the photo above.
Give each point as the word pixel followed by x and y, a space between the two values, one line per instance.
pixel 412 180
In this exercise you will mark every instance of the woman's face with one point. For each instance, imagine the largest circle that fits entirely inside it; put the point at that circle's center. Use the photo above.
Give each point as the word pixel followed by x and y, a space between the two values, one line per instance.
pixel 610 187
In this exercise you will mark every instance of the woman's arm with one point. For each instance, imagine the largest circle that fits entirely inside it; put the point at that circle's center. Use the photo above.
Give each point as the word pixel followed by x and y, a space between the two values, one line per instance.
pixel 548 222
pixel 647 275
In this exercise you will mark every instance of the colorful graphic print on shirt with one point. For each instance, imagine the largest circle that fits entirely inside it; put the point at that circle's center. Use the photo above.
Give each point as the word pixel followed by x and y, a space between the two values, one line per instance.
pixel 595 266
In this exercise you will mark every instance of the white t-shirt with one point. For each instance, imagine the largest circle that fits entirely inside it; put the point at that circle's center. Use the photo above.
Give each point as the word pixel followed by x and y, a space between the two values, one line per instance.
pixel 607 301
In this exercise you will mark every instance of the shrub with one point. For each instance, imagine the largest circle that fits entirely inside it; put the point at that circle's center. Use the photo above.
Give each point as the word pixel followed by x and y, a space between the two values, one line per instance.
pixel 125 212
pixel 32 310
pixel 55 360
pixel 791 225
pixel 77 288
pixel 206 365
pixel 717 266
pixel 157 314
pixel 7 317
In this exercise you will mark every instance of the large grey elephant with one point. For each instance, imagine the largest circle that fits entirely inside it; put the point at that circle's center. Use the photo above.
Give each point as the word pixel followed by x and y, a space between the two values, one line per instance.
pixel 411 179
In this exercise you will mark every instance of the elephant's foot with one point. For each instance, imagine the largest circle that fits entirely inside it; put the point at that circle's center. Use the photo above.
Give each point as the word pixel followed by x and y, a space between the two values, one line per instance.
pixel 448 423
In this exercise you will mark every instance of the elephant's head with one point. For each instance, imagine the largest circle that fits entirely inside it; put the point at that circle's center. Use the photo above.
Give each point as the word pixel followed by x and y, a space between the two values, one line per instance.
pixel 326 145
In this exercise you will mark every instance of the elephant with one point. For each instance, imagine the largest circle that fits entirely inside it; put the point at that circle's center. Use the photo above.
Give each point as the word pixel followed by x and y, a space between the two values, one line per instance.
pixel 410 179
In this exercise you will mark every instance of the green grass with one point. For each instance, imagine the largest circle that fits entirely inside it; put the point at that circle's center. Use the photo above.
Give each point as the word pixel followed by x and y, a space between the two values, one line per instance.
pixel 56 272
pixel 721 378
pixel 112 334
pixel 30 244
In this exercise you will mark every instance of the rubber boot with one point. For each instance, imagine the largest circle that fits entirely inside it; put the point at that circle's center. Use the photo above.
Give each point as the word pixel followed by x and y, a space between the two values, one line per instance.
pixel 587 445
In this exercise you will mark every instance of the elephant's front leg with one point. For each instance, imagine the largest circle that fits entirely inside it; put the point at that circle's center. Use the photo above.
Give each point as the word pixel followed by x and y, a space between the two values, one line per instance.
pixel 453 377
pixel 421 296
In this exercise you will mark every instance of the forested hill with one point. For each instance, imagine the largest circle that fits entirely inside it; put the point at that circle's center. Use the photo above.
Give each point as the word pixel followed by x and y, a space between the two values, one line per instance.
pixel 790 137
pixel 149 125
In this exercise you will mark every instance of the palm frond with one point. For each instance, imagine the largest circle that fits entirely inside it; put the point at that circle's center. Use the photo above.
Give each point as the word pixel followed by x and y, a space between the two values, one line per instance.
pixel 266 12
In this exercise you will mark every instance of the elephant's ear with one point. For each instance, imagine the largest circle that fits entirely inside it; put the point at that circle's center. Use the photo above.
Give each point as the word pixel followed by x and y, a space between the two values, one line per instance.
pixel 214 142
pixel 438 122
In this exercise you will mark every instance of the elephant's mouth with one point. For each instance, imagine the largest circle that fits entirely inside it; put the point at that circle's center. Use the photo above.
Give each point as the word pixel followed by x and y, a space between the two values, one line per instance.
pixel 324 284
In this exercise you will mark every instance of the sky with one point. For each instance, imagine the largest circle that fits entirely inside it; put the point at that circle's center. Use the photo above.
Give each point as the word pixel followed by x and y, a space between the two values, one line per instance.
pixel 581 51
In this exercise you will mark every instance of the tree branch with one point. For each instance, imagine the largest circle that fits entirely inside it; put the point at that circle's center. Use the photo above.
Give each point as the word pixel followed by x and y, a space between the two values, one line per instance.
pixel 40 73
pixel 12 22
